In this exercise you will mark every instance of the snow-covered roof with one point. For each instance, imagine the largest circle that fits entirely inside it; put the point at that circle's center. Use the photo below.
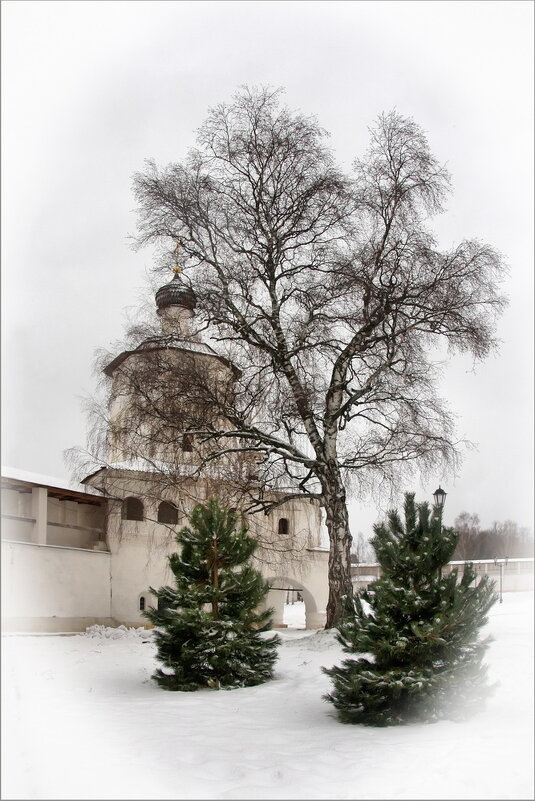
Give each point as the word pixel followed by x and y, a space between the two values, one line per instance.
pixel 171 343
pixel 159 468
pixel 154 466
pixel 41 480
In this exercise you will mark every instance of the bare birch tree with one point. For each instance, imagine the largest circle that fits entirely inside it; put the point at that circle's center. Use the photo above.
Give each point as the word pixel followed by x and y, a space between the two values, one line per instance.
pixel 328 292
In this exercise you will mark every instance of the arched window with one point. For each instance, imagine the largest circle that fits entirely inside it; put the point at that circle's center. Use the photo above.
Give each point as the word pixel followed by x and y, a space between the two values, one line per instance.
pixel 187 443
pixel 142 603
pixel 284 526
pixel 167 513
pixel 132 509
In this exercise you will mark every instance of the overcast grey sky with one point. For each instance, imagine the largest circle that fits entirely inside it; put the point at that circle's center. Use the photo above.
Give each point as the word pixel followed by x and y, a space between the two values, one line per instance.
pixel 92 89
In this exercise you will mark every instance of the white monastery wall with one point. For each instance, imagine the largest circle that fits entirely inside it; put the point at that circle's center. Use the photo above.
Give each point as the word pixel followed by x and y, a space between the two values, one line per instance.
pixel 516 574
pixel 49 588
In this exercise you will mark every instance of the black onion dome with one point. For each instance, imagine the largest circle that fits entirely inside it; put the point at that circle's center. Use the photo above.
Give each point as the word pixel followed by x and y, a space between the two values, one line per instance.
pixel 176 293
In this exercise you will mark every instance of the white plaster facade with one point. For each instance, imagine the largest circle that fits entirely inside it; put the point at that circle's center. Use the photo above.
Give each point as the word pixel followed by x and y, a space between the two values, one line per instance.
pixel 54 588
pixel 139 548
pixel 71 555
pixel 70 559
pixel 55 559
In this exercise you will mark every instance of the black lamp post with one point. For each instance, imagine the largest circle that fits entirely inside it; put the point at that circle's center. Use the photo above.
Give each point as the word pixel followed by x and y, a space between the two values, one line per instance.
pixel 502 564
pixel 440 498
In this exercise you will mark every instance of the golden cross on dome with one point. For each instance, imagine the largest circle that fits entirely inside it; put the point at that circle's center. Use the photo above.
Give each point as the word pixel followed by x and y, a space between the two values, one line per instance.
pixel 177 268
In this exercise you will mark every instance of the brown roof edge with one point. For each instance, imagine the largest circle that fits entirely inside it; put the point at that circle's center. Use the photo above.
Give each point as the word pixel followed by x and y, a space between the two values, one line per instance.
pixel 110 368
pixel 54 491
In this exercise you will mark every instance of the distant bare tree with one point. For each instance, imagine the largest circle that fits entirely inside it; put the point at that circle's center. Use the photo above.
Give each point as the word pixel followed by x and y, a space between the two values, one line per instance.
pixel 501 540
pixel 362 550
pixel 468 545
pixel 507 538
pixel 328 292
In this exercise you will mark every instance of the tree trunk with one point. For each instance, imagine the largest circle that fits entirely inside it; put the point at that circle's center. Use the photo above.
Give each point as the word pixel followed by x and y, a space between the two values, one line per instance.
pixel 340 584
pixel 215 578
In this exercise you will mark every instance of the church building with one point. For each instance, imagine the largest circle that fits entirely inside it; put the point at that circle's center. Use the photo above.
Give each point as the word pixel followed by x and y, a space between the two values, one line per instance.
pixel 78 554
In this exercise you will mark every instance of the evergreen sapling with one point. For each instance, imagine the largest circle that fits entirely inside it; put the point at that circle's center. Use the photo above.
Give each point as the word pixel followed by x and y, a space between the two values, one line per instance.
pixel 208 630
pixel 415 633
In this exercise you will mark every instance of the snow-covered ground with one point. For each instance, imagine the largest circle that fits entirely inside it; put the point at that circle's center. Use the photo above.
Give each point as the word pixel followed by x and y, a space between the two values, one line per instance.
pixel 83 720
pixel 294 615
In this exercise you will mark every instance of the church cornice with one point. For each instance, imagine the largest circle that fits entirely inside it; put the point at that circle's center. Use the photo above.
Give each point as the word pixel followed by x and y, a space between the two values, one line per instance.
pixel 169 343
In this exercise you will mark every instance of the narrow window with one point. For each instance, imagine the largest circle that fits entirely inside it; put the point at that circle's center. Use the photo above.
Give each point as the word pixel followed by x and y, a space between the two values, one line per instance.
pixel 284 526
pixel 187 443
pixel 132 509
pixel 142 603
pixel 167 513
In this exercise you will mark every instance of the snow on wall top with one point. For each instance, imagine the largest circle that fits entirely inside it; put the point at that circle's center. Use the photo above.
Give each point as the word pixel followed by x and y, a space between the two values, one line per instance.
pixel 47 481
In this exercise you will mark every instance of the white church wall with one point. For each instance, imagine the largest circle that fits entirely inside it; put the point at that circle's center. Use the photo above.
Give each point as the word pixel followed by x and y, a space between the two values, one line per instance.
pixel 140 550
pixel 310 579
pixel 302 566
pixel 136 566
pixel 48 588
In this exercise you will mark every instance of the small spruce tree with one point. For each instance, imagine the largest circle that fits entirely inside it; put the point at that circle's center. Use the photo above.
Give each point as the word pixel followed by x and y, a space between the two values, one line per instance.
pixel 415 631
pixel 208 632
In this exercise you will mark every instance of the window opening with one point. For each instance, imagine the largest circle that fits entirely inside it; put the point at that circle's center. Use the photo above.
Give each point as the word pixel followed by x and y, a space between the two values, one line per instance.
pixel 167 513
pixel 132 509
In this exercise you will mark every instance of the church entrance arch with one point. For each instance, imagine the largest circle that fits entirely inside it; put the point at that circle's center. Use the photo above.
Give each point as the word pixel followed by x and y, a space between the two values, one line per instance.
pixel 283 587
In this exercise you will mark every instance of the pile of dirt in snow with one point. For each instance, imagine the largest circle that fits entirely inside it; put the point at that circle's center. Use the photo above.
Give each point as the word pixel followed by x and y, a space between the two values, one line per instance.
pixel 119 633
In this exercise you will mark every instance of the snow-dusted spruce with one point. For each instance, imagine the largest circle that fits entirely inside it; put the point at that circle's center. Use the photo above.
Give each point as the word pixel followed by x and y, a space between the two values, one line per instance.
pixel 208 631
pixel 416 631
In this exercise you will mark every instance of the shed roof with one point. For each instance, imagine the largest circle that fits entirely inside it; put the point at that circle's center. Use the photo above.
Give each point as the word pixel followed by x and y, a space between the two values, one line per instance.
pixel 57 487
